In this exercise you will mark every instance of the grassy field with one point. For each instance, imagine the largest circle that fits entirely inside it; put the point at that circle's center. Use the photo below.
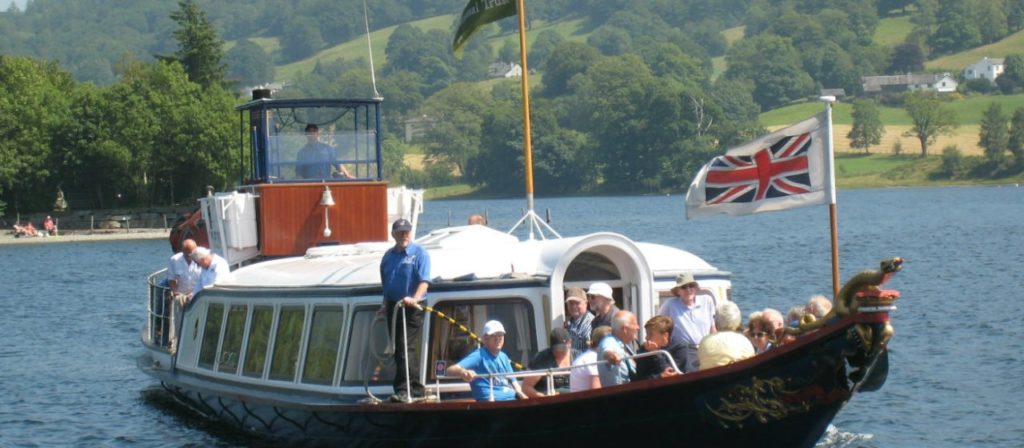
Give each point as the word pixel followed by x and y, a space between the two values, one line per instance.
pixel 955 63
pixel 892 31
pixel 356 48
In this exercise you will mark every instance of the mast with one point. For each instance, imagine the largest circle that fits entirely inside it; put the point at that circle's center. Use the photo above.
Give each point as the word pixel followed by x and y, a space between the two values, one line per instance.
pixel 833 221
pixel 525 83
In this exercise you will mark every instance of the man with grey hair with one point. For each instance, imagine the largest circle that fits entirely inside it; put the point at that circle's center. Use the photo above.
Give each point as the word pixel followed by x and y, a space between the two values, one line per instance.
pixel 727 316
pixel 616 347
pixel 214 268
pixel 818 305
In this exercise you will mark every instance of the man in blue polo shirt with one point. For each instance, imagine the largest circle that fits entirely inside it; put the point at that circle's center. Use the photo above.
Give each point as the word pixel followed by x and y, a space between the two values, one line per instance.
pixel 488 359
pixel 405 277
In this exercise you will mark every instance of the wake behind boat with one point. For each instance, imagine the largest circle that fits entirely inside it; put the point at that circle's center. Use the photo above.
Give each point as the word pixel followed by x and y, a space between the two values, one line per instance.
pixel 290 345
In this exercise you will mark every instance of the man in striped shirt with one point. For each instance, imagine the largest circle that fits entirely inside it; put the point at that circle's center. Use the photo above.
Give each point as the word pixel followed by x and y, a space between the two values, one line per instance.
pixel 579 319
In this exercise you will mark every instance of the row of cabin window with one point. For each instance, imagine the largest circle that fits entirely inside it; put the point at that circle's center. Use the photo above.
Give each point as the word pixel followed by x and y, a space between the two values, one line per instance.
pixel 447 342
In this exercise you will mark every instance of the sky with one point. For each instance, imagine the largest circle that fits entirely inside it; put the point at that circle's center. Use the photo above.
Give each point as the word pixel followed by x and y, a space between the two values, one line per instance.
pixel 4 4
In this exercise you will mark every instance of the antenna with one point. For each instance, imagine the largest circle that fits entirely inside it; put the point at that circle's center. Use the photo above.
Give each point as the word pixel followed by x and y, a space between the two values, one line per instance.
pixel 369 49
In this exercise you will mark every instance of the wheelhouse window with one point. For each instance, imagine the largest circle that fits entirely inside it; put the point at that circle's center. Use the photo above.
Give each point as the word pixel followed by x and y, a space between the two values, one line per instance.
pixel 365 357
pixel 233 332
pixel 286 343
pixel 450 344
pixel 322 349
pixel 211 335
pixel 259 338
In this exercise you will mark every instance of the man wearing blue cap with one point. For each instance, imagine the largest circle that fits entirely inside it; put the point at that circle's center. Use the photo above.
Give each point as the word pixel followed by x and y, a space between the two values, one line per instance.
pixel 405 277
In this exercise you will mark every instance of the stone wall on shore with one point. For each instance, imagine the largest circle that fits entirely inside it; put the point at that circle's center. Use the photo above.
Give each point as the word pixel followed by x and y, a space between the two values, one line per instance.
pixel 141 218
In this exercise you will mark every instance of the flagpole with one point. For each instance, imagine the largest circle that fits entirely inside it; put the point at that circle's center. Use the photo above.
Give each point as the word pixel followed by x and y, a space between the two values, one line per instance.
pixel 527 147
pixel 832 213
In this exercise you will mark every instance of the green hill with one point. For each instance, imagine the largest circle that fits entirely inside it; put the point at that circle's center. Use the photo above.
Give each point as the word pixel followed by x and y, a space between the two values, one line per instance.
pixel 968 111
pixel 891 31
pixel 955 63
pixel 356 48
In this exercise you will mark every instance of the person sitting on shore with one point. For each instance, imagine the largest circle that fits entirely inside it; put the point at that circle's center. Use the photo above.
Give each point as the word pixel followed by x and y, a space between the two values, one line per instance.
pixel 30 230
pixel 49 226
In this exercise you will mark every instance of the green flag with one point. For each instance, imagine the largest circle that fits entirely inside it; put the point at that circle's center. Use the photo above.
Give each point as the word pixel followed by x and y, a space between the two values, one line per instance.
pixel 479 13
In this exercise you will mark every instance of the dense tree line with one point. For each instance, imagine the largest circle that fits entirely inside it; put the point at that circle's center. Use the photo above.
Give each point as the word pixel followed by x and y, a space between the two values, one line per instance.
pixel 634 108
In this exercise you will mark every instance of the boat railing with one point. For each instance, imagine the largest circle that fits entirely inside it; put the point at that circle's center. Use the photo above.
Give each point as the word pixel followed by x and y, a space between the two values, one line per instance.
pixel 160 324
pixel 552 372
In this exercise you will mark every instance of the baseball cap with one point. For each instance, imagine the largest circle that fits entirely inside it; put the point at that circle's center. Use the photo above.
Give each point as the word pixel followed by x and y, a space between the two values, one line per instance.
pixel 401 225
pixel 577 294
pixel 493 326
pixel 600 289
pixel 559 338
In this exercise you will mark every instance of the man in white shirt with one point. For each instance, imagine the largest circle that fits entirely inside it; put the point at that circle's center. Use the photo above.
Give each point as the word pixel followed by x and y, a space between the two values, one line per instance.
pixel 693 317
pixel 182 272
pixel 214 268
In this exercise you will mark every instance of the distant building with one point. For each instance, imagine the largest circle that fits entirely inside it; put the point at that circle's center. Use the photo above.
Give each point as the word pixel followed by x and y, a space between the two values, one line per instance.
pixel 988 68
pixel 504 70
pixel 941 83
pixel 415 127
pixel 838 93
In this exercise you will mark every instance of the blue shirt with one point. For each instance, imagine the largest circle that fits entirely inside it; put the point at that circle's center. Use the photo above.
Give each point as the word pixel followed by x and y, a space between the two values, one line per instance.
pixel 314 161
pixel 614 374
pixel 402 271
pixel 483 362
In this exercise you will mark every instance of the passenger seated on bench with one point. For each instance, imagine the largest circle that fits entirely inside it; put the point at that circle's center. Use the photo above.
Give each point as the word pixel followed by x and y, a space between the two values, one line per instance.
pixel 760 333
pixel 587 377
pixel 615 349
pixel 728 317
pixel 559 354
pixel 818 306
pixel 723 348
pixel 659 334
pixel 489 359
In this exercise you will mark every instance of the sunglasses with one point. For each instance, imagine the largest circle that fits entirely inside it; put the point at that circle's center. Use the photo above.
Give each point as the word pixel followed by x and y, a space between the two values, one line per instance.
pixel 759 334
pixel 688 286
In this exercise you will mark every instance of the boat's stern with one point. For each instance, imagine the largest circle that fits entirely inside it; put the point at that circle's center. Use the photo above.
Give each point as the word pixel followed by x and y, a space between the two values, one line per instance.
pixel 158 332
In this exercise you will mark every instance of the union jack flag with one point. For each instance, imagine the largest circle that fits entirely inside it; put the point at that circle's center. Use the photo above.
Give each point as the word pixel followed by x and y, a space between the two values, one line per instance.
pixel 785 169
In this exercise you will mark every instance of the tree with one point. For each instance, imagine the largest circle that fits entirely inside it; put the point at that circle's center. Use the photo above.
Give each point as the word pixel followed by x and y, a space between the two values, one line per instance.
pixel 567 60
pixel 301 39
pixel 34 105
pixel 249 64
pixel 867 127
pixel 1013 74
pixel 458 112
pixel 200 50
pixel 930 118
pixel 773 65
pixel 994 135
pixel 907 57
pixel 1015 142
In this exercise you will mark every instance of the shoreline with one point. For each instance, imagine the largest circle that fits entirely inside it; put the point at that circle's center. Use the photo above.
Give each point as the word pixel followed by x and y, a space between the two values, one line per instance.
pixel 72 236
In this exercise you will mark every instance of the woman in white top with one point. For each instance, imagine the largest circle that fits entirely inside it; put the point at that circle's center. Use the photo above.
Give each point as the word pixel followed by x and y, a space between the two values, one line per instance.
pixel 586 377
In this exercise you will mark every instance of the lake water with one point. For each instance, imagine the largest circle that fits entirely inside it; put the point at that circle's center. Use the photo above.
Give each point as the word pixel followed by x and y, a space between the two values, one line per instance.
pixel 71 313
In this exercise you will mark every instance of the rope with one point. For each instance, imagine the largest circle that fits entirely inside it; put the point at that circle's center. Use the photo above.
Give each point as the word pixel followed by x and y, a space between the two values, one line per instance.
pixel 462 328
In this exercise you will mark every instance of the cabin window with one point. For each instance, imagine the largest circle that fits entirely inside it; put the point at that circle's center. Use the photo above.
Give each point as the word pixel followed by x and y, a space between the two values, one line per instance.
pixel 287 342
pixel 365 356
pixel 259 336
pixel 232 346
pixel 450 344
pixel 322 351
pixel 211 335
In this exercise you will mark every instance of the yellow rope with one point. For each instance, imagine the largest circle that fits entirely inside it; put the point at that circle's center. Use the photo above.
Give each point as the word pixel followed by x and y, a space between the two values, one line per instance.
pixel 463 328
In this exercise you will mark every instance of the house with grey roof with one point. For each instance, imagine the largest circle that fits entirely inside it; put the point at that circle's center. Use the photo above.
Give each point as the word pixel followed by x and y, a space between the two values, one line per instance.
pixel 941 83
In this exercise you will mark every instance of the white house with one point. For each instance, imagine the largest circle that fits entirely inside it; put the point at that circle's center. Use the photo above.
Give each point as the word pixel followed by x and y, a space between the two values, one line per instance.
pixel 988 68
pixel 943 83
pixel 503 70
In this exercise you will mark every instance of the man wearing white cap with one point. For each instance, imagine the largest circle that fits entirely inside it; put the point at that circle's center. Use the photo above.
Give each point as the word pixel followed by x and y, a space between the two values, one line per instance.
pixel 603 301
pixel 693 317
pixel 489 359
